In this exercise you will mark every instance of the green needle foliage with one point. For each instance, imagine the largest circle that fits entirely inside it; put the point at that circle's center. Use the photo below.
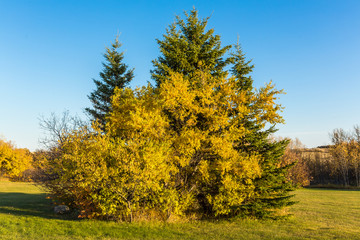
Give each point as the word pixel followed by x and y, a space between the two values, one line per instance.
pixel 114 75
pixel 197 145
pixel 271 187
pixel 187 47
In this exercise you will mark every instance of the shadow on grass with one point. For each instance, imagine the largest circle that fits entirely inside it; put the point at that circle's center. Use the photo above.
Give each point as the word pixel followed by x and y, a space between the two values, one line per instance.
pixel 27 204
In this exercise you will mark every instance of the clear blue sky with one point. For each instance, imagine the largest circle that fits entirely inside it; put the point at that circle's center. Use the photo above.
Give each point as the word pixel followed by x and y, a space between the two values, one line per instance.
pixel 51 50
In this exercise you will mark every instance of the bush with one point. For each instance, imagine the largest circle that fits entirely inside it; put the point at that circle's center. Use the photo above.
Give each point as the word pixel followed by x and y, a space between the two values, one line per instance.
pixel 15 163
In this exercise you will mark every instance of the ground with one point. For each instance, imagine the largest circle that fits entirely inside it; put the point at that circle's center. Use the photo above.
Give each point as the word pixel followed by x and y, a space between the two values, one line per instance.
pixel 25 213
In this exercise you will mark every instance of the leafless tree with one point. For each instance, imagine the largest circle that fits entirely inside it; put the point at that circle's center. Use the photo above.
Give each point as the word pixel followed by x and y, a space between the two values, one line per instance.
pixel 339 152
pixel 355 154
pixel 57 127
pixel 339 136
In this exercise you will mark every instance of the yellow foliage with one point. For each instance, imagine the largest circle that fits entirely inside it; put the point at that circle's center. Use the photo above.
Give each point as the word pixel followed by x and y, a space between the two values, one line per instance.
pixel 172 150
pixel 14 161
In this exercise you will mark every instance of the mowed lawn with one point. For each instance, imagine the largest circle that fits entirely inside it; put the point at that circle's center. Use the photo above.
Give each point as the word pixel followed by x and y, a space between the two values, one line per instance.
pixel 25 213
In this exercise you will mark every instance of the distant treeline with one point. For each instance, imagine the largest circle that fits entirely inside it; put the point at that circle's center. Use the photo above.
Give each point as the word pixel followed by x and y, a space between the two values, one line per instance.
pixel 335 164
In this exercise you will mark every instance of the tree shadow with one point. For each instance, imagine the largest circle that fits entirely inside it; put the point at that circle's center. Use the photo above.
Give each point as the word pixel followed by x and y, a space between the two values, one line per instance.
pixel 26 204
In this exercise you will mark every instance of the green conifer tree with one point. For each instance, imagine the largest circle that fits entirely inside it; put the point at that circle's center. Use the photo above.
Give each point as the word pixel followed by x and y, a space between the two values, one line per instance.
pixel 271 188
pixel 114 75
pixel 187 48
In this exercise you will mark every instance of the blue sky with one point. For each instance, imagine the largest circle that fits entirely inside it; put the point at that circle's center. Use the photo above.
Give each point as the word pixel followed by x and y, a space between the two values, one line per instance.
pixel 51 50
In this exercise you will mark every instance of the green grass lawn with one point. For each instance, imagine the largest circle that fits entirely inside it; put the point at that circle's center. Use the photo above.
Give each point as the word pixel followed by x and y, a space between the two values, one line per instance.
pixel 25 213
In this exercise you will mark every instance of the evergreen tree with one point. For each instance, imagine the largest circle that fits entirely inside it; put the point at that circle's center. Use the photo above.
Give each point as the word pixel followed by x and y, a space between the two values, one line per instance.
pixel 187 47
pixel 271 187
pixel 241 69
pixel 114 75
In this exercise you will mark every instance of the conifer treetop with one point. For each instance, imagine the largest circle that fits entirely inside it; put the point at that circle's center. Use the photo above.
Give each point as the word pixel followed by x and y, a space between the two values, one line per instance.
pixel 187 47
pixel 115 74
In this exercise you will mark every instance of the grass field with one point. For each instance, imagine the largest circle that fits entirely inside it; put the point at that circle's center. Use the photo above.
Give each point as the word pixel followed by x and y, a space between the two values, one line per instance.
pixel 25 213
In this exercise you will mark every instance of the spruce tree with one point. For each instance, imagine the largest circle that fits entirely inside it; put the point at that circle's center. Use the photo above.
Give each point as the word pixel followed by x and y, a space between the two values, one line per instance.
pixel 115 74
pixel 271 187
pixel 187 48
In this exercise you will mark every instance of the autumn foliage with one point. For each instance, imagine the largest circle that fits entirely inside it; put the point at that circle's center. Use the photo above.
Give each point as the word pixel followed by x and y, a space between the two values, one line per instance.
pixel 345 152
pixel 194 145
pixel 15 163
pixel 299 173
